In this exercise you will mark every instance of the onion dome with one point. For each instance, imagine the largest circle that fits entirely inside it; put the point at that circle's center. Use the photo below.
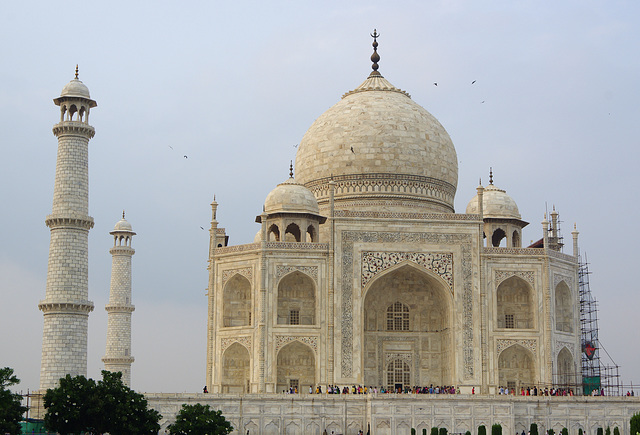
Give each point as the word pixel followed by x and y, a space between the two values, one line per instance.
pixel 381 149
pixel 123 225
pixel 496 204
pixel 75 89
pixel 291 197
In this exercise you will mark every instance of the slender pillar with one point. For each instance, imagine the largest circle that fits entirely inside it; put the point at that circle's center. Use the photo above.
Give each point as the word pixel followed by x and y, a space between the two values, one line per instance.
pixel 118 354
pixel 66 306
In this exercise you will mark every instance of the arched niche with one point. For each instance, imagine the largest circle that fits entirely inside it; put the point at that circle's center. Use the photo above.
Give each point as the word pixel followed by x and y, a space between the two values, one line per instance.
pixel 566 370
pixel 296 366
pixel 407 311
pixel 236 365
pixel 236 302
pixel 296 300
pixel 516 368
pixel 312 234
pixel 398 375
pixel 515 304
pixel 515 239
pixel 564 308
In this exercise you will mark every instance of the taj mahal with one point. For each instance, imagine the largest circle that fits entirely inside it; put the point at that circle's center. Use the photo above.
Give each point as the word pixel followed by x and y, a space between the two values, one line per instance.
pixel 362 273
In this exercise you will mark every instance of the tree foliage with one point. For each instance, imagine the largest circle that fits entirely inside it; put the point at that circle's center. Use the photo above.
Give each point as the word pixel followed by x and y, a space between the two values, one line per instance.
pixel 496 429
pixel 616 431
pixel 565 431
pixel 608 431
pixel 200 419
pixel 79 405
pixel 533 429
pixel 11 408
pixel 482 430
pixel 635 423
pixel 442 431
pixel 434 431
pixel 599 431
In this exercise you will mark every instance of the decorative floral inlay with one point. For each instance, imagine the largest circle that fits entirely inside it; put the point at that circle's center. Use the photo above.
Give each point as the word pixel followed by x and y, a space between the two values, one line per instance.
pixel 247 272
pixel 501 275
pixel 312 271
pixel 532 345
pixel 281 340
pixel 406 357
pixel 376 262
pixel 244 340
pixel 557 278
pixel 562 344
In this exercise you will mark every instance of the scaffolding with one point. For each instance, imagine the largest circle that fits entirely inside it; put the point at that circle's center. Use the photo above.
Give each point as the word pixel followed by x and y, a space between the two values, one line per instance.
pixel 597 377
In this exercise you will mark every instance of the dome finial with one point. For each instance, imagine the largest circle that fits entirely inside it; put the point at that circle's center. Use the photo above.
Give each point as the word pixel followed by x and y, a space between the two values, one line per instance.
pixel 76 71
pixel 122 214
pixel 291 169
pixel 375 57
pixel 490 175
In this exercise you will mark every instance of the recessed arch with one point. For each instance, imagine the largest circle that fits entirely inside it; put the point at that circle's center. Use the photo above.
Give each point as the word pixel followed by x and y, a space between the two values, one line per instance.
pixel 236 302
pixel 296 303
pixel 516 368
pixel 515 239
pixel 410 264
pixel 564 307
pixel 426 339
pixel 236 364
pixel 296 366
pixel 312 236
pixel 566 370
pixel 514 301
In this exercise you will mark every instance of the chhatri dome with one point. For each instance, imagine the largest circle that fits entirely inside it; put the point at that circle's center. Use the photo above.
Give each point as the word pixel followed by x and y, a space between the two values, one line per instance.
pixel 75 88
pixel 496 203
pixel 291 197
pixel 123 225
pixel 383 151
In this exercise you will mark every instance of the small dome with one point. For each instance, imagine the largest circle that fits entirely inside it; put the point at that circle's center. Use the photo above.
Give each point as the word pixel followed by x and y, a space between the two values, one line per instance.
pixel 495 204
pixel 258 237
pixel 291 197
pixel 75 88
pixel 123 225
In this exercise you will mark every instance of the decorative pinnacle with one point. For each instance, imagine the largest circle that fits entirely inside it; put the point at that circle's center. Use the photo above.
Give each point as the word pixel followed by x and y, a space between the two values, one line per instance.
pixel 76 71
pixel 375 57
pixel 490 175
pixel 291 169
pixel 122 214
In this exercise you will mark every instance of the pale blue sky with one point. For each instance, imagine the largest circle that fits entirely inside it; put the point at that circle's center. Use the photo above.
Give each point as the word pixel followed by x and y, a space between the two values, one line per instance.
pixel 235 85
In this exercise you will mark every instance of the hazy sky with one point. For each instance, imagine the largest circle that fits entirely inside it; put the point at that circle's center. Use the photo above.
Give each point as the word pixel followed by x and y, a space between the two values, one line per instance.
pixel 234 86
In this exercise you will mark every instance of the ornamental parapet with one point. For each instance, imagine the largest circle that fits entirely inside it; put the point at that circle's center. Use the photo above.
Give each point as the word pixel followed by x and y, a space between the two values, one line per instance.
pixel 407 216
pixel 73 222
pixel 298 246
pixel 74 128
pixel 562 256
pixel 118 360
pixel 52 307
pixel 119 308
pixel 238 248
pixel 122 250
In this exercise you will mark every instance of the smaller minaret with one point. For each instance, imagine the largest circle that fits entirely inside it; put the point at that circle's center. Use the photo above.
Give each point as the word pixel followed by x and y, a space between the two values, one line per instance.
pixel 574 233
pixel 545 232
pixel 118 355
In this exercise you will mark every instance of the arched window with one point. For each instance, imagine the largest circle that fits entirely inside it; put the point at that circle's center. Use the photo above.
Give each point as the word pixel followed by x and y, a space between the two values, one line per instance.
pixel 237 302
pixel 515 304
pixel 274 233
pixel 311 234
pixel 398 317
pixel 398 375
pixel 497 237
pixel 296 300
pixel 292 233
pixel 564 308
pixel 515 240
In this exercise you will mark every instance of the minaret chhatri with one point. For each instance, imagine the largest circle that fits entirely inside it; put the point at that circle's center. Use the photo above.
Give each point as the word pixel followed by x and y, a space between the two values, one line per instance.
pixel 118 354
pixel 66 306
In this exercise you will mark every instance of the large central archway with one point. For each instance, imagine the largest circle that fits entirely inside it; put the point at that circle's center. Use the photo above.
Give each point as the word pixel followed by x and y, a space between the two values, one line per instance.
pixel 407 324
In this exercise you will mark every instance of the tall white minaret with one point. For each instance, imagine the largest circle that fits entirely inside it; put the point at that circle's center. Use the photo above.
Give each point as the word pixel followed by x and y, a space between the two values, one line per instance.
pixel 66 306
pixel 118 355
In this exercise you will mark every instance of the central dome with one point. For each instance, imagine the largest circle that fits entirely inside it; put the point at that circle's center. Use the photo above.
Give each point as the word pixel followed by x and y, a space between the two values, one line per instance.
pixel 382 150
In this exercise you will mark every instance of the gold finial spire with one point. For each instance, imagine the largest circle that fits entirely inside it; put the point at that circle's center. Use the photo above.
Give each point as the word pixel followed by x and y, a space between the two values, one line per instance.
pixel 490 175
pixel 76 71
pixel 122 214
pixel 291 169
pixel 375 57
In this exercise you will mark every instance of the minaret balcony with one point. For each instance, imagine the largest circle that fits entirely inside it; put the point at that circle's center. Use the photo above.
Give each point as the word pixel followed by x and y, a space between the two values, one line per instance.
pixel 119 308
pixel 74 128
pixel 52 307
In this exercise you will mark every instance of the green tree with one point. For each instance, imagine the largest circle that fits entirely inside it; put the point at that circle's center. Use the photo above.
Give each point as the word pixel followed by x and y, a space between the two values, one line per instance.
pixel 79 405
pixel 482 430
pixel 442 431
pixel 496 429
pixel 616 431
pixel 11 408
pixel 635 423
pixel 580 431
pixel 434 431
pixel 599 431
pixel 565 431
pixel 200 419
pixel 551 432
pixel 467 432
pixel 607 431
pixel 424 431
pixel 413 431
pixel 533 429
